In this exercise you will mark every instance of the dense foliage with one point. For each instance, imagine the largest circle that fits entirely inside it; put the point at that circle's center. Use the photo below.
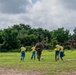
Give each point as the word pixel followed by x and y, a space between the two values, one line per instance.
pixel 13 37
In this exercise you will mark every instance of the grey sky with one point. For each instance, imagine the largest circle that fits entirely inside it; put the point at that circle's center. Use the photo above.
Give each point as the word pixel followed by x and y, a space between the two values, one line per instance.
pixel 47 14
pixel 69 4
pixel 13 6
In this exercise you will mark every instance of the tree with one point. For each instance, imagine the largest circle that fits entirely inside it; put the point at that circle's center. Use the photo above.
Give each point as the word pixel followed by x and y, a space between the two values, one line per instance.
pixel 74 30
pixel 53 42
pixel 10 39
pixel 1 38
pixel 60 34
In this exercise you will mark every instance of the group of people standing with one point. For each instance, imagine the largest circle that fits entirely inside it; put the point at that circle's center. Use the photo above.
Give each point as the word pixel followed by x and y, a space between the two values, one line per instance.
pixel 37 49
pixel 59 51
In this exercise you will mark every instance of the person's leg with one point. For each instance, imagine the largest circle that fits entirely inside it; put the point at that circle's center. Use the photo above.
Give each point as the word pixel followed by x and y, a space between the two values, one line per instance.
pixel 61 58
pixel 32 56
pixel 61 55
pixel 21 58
pixel 38 57
pixel 23 55
pixel 56 55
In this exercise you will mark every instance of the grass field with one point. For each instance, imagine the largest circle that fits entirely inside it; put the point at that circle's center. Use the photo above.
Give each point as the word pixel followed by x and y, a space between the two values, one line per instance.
pixel 48 66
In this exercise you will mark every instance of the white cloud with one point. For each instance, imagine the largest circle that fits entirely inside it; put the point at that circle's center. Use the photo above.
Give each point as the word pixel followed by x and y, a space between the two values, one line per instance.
pixel 48 14
pixel 52 14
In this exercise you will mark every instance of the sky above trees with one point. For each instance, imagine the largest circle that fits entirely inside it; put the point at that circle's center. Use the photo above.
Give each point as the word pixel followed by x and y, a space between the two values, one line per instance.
pixel 47 14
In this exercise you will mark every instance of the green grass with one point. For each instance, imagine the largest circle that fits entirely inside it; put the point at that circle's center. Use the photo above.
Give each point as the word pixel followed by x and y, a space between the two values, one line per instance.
pixel 48 66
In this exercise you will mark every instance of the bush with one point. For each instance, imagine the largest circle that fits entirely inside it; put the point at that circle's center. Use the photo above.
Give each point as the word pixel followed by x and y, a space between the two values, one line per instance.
pixel 15 50
pixel 67 47
pixel 28 48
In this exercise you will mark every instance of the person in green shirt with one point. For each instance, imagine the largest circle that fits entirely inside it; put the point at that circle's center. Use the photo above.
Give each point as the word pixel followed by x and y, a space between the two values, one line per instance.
pixel 33 53
pixel 23 52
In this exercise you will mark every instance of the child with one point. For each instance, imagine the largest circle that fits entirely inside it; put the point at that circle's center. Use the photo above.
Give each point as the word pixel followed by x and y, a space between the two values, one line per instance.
pixel 23 52
pixel 57 48
pixel 33 53
pixel 61 52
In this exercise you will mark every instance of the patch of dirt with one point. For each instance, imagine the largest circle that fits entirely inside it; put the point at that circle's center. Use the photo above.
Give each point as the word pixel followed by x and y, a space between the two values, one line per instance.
pixel 19 72
pixel 69 72
pixel 30 72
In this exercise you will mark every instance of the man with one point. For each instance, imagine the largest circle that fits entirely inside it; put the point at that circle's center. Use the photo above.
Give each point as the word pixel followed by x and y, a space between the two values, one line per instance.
pixel 38 47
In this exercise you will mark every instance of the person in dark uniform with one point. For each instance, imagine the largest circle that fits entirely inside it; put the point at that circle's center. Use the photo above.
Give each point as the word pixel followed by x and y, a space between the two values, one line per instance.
pixel 38 47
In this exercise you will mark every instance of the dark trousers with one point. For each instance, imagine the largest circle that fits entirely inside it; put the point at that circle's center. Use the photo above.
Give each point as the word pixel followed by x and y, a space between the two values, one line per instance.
pixel 22 55
pixel 33 55
pixel 56 55
pixel 61 55
pixel 39 55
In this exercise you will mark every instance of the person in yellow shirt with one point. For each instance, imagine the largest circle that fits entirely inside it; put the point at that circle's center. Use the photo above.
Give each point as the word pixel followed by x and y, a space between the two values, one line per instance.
pixel 33 53
pixel 57 48
pixel 23 52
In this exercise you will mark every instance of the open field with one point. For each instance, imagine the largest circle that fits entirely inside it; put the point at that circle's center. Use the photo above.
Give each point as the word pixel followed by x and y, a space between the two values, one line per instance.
pixel 10 64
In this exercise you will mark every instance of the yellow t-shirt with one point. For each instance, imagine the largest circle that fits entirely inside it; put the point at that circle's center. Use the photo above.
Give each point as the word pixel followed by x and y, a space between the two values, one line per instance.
pixel 33 49
pixel 61 48
pixel 23 48
pixel 57 47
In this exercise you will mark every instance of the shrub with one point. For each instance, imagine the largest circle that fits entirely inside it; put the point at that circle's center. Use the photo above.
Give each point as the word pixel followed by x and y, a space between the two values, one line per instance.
pixel 28 48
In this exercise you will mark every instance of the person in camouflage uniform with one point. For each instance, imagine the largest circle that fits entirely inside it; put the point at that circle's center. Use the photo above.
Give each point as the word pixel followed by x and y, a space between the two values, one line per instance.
pixel 38 47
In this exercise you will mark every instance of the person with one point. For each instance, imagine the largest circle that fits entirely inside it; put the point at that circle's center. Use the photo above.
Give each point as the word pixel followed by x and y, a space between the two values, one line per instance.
pixel 38 47
pixel 57 48
pixel 33 53
pixel 23 52
pixel 61 52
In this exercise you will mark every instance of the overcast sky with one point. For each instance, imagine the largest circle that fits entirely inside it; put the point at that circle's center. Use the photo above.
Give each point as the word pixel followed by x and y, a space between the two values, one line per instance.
pixel 47 14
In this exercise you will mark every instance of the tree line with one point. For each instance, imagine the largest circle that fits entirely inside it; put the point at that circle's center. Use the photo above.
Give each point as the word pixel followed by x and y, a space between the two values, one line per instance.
pixel 13 37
